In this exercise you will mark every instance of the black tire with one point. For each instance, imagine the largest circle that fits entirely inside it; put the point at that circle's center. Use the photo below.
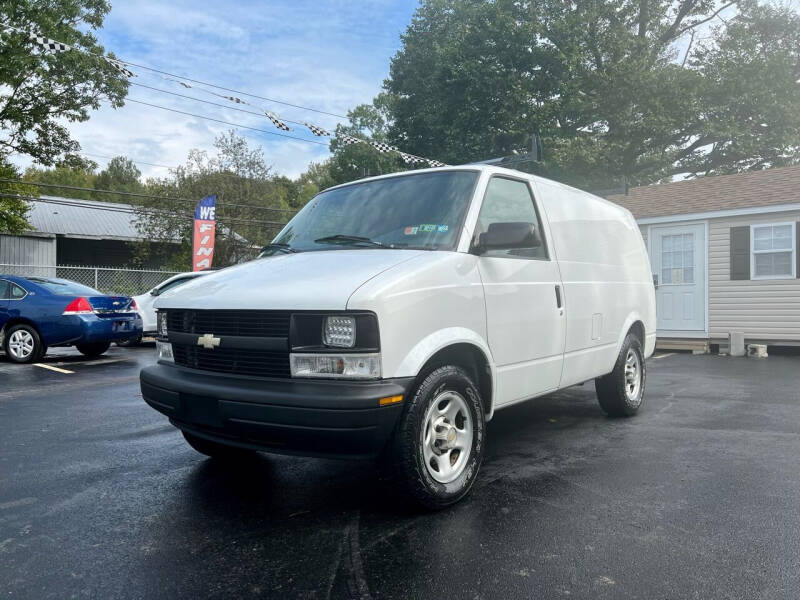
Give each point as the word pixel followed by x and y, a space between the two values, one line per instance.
pixel 29 333
pixel 407 453
pixel 214 449
pixel 130 343
pixel 614 391
pixel 93 350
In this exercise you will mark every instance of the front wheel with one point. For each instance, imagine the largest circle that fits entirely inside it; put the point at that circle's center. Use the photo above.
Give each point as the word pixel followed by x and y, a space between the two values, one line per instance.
pixel 439 443
pixel 621 392
pixel 93 350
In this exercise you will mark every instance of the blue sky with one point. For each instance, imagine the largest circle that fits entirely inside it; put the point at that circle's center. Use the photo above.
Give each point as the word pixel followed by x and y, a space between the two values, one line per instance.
pixel 326 54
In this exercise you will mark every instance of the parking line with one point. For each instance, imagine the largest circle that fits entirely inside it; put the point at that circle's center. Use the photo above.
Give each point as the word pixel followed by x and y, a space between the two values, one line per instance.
pixel 52 368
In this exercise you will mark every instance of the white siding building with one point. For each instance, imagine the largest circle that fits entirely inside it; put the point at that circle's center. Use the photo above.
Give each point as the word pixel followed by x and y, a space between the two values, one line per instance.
pixel 724 255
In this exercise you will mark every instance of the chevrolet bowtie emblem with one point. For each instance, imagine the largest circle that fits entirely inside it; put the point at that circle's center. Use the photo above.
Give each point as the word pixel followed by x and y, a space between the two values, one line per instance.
pixel 208 341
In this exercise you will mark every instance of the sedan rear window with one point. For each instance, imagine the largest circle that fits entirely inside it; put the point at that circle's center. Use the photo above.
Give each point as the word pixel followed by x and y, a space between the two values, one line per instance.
pixel 64 287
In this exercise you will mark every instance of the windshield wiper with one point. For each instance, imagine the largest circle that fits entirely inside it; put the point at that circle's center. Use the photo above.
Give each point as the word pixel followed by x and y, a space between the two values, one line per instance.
pixel 356 239
pixel 286 248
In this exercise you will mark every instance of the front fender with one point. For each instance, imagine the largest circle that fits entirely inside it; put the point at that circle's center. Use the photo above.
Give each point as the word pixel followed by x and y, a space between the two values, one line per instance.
pixel 427 347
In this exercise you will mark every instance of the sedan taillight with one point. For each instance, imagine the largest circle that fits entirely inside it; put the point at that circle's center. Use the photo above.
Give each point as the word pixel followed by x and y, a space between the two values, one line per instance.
pixel 79 306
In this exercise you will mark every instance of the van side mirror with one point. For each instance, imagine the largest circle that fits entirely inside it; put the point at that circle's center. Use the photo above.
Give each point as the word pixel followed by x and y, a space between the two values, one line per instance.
pixel 155 292
pixel 502 236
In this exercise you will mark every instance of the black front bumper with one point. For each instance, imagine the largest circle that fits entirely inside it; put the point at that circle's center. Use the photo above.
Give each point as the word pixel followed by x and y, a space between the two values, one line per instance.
pixel 310 417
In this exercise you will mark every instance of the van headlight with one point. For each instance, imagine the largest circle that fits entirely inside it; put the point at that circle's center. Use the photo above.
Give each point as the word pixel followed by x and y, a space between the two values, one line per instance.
pixel 345 366
pixel 315 337
pixel 161 322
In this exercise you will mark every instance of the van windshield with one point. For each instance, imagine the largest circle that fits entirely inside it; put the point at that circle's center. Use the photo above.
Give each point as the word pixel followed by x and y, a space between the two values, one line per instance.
pixel 422 211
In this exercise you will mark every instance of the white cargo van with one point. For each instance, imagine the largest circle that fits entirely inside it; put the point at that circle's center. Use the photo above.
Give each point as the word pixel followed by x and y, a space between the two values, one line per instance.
pixel 393 316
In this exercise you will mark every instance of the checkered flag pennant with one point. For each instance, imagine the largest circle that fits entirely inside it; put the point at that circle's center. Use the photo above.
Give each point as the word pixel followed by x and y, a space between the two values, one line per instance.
pixel 410 159
pixel 347 140
pixel 318 131
pixel 119 67
pixel 49 45
pixel 434 163
pixel 236 100
pixel 277 122
pixel 186 85
pixel 381 147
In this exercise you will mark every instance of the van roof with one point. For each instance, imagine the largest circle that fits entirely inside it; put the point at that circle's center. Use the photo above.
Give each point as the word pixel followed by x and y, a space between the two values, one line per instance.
pixel 482 168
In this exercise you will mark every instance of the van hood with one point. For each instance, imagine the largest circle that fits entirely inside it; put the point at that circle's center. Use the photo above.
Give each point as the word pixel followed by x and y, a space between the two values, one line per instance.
pixel 303 281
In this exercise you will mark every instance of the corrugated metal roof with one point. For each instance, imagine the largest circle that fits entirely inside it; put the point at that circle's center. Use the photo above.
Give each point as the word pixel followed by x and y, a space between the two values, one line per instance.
pixel 83 218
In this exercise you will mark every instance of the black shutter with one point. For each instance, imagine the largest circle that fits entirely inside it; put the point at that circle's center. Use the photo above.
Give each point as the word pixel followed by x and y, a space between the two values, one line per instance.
pixel 740 252
pixel 797 249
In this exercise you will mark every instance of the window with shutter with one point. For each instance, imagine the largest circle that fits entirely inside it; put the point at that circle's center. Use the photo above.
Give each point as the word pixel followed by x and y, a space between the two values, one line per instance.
pixel 773 250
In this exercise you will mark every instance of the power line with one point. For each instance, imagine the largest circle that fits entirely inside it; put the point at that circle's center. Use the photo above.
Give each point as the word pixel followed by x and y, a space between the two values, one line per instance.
pixel 226 106
pixel 219 87
pixel 183 112
pixel 138 162
pixel 135 194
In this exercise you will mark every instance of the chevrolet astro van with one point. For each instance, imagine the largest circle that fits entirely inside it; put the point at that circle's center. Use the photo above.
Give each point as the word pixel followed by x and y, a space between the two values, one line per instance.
pixel 392 316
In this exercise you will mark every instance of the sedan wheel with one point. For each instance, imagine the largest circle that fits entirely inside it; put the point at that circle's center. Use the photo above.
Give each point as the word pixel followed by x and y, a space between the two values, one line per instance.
pixel 22 344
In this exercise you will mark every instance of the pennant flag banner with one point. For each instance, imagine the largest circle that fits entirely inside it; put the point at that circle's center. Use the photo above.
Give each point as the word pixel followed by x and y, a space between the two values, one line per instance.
pixel 119 67
pixel 49 45
pixel 205 225
pixel 381 147
pixel 235 99
pixel 277 122
pixel 318 131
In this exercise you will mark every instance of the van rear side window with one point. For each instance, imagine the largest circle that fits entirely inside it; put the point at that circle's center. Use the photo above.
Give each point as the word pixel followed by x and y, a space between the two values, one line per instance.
pixel 508 201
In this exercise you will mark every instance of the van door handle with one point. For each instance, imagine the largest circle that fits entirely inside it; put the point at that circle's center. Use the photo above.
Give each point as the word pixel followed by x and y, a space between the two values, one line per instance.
pixel 559 303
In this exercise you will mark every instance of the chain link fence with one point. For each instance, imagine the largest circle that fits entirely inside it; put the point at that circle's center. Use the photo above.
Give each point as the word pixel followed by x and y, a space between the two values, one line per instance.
pixel 109 280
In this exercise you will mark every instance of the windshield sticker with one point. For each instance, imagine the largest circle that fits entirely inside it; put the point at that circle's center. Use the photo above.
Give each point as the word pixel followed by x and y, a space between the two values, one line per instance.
pixel 427 228
pixel 411 230
pixel 442 228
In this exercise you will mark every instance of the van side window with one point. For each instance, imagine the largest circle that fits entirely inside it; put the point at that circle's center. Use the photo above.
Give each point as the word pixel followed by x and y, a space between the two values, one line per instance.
pixel 509 201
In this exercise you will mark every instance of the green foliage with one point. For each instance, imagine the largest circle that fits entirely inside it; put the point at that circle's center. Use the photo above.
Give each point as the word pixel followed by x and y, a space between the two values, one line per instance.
pixel 63 174
pixel 13 211
pixel 354 161
pixel 120 175
pixel 40 91
pixel 614 87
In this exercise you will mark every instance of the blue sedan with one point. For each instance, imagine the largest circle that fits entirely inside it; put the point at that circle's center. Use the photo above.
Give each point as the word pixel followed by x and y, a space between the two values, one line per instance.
pixel 39 312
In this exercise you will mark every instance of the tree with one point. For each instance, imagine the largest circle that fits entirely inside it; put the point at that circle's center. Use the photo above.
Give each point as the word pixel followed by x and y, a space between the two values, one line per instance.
pixel 615 88
pixel 13 210
pixel 64 174
pixel 252 204
pixel 120 175
pixel 354 161
pixel 40 91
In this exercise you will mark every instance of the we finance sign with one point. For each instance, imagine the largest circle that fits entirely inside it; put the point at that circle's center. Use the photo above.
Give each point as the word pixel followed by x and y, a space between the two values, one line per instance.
pixel 205 228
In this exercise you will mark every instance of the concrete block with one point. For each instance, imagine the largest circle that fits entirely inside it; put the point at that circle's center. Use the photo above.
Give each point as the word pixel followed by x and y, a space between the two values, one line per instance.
pixel 736 343
pixel 757 350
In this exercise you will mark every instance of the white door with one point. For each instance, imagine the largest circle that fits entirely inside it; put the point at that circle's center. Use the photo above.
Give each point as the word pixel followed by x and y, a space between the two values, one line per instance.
pixel 524 311
pixel 678 259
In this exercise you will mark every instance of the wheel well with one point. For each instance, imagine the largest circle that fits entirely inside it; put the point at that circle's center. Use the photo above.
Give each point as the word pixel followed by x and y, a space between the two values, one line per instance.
pixel 637 329
pixel 16 321
pixel 470 358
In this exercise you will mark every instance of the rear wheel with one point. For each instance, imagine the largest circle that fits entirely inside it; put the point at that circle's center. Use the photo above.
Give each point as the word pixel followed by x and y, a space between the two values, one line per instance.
pixel 130 342
pixel 22 344
pixel 439 443
pixel 621 392
pixel 214 449
pixel 93 350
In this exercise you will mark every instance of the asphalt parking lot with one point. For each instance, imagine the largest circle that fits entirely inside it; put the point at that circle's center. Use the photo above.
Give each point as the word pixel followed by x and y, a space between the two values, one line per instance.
pixel 697 497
